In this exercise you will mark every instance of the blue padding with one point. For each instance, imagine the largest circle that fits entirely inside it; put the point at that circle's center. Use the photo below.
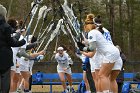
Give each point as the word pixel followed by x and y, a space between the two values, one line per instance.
pixel 52 76
pixel 129 75
pixel 56 76
pixel 77 76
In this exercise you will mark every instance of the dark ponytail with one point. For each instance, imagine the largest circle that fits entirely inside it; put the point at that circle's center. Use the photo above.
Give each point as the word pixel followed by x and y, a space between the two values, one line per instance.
pixel 98 20
pixel 13 23
pixel 100 28
pixel 98 23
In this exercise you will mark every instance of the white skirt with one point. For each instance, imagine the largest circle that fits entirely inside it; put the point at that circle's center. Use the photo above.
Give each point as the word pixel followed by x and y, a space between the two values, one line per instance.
pixel 111 57
pixel 60 69
pixel 98 59
pixel 31 63
pixel 118 64
pixel 92 64
pixel 17 70
pixel 13 68
pixel 23 68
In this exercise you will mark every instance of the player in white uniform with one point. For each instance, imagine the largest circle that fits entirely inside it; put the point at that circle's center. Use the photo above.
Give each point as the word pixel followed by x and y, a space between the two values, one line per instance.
pixel 64 67
pixel 14 69
pixel 92 67
pixel 24 62
pixel 89 20
pixel 32 40
pixel 24 67
pixel 98 57
pixel 118 64
pixel 110 53
pixel 83 57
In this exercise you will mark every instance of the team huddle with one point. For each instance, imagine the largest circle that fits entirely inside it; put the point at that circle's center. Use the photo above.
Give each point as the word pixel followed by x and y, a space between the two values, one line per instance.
pixel 96 48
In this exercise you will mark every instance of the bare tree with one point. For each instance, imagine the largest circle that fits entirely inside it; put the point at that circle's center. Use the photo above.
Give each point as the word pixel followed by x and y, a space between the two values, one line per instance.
pixel 121 24
pixel 111 21
pixel 130 27
pixel 9 9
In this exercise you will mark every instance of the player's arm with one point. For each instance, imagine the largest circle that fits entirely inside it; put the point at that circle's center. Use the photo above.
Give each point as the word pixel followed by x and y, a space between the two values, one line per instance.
pixel 89 54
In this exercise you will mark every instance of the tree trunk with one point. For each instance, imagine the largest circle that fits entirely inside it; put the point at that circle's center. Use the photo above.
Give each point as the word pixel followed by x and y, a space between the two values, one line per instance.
pixel 107 11
pixel 130 28
pixel 9 9
pixel 121 24
pixel 111 4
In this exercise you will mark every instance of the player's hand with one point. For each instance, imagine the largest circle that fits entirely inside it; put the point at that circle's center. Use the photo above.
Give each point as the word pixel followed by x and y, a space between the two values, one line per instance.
pixel 43 52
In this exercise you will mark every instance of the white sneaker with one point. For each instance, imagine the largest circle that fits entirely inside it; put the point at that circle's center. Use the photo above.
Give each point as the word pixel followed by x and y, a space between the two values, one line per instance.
pixel 88 92
pixel 19 90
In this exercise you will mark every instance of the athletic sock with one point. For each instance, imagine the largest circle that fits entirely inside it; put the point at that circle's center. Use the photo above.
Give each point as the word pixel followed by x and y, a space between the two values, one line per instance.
pixel 88 91
pixel 66 91
pixel 21 86
pixel 106 91
pixel 71 88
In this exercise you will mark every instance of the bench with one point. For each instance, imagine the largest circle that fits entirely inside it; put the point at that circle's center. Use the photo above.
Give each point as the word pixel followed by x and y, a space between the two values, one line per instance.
pixel 53 79
pixel 129 77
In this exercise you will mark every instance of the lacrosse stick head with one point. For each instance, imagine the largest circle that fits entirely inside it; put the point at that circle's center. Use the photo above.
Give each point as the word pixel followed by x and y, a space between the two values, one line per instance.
pixel 41 11
pixel 46 11
pixel 38 1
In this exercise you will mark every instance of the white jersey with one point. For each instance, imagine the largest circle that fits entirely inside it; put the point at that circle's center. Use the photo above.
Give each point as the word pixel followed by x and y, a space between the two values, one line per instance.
pixel 98 57
pixel 92 64
pixel 63 61
pixel 31 63
pixel 119 63
pixel 110 52
pixel 23 60
pixel 24 46
pixel 107 35
pixel 15 50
